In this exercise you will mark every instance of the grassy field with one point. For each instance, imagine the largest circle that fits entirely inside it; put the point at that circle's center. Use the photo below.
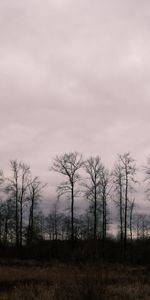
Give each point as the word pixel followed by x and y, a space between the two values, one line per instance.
pixel 65 282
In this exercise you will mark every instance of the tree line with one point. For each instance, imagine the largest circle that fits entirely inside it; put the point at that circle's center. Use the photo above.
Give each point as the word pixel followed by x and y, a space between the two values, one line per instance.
pixel 22 220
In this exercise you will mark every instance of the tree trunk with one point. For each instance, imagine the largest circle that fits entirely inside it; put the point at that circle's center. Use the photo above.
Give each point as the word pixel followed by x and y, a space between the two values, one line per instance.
pixel 125 215
pixel 95 215
pixel 72 212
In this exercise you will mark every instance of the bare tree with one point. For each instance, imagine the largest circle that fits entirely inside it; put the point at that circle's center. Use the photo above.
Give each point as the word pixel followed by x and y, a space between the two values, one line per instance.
pixel 118 181
pixel 128 168
pixel 24 183
pixel 97 190
pixel 105 193
pixel 8 211
pixel 35 188
pixel 87 226
pixel 17 185
pixel 68 165
pixel 13 188
pixel 141 225
pixel 53 221
pixel 131 208
pixel 93 167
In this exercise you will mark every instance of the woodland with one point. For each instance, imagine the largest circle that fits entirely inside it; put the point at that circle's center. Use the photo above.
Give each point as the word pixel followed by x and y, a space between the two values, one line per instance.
pixel 28 232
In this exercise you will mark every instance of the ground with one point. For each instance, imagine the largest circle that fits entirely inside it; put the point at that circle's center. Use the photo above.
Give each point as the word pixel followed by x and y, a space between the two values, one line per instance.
pixel 31 281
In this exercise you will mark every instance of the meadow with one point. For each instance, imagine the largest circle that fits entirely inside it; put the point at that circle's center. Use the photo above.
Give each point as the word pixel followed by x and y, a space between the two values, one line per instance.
pixel 31 281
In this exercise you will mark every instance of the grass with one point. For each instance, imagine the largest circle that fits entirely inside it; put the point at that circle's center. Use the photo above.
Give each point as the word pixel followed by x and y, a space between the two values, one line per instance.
pixel 66 282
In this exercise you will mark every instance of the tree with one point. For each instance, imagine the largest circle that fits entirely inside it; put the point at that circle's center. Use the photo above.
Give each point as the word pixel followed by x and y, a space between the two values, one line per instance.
pixel 53 222
pixel 68 165
pixel 17 187
pixel 141 225
pixel 24 183
pixel 87 225
pixel 13 188
pixel 126 179
pixel 97 190
pixel 35 188
pixel 8 210
pixel 105 191
pixel 118 181
pixel 131 208
pixel 93 167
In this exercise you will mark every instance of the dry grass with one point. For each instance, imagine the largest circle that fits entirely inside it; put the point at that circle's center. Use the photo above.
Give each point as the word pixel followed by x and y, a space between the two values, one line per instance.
pixel 62 282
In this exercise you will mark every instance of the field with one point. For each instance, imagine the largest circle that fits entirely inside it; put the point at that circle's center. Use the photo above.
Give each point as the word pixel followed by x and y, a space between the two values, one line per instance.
pixel 31 281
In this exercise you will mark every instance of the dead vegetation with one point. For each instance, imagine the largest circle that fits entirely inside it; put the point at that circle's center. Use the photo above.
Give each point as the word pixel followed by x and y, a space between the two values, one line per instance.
pixel 65 282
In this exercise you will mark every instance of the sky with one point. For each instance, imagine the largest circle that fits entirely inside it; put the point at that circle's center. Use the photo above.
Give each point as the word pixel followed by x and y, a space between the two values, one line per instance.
pixel 74 75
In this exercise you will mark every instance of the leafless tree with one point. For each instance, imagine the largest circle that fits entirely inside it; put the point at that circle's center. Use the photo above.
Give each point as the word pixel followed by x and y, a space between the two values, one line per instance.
pixel 118 181
pixel 68 165
pixel 35 188
pixel 53 221
pixel 24 183
pixel 93 167
pixel 127 164
pixel 105 193
pixel 141 223
pixel 8 212
pixel 131 208
pixel 13 188
pixel 97 190
pixel 25 191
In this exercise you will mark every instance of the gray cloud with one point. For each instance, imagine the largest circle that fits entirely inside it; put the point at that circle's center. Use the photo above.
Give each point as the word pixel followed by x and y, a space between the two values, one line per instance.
pixel 74 75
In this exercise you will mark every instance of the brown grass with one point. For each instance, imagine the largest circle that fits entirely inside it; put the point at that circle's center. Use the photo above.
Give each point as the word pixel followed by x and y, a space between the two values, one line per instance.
pixel 63 282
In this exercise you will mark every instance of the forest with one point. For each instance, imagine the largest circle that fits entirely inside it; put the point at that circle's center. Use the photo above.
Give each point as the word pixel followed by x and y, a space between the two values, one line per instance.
pixel 110 228
pixel 97 251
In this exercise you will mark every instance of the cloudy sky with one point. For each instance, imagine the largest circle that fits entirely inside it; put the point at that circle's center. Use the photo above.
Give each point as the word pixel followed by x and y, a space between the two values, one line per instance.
pixel 74 75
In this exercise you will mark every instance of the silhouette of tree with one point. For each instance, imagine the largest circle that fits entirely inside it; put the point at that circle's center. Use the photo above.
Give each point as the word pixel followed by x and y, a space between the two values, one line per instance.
pixel 128 169
pixel 68 165
pixel 17 186
pixel 35 188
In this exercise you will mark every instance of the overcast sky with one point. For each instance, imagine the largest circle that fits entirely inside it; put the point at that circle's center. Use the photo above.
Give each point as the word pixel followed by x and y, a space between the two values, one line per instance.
pixel 74 75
